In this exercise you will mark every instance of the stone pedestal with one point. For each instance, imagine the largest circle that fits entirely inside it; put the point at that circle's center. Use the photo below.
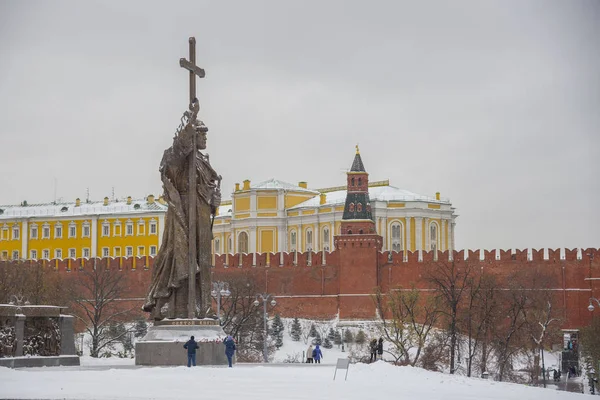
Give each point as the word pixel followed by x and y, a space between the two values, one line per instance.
pixel 163 344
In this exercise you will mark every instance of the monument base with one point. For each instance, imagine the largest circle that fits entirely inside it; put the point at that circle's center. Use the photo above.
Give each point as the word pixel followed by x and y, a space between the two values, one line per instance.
pixel 163 344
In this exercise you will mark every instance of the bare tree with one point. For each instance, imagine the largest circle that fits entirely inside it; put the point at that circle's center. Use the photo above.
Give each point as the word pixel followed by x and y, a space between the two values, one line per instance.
pixel 35 283
pixel 406 321
pixel 452 281
pixel 96 293
pixel 477 316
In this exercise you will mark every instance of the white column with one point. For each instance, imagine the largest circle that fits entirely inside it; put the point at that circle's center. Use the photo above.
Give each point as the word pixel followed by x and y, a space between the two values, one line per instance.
pixel 94 236
pixel 442 246
pixel 24 240
pixel 317 243
pixel 427 236
pixel 408 243
pixel 299 238
pixel 252 204
pixel 419 233
pixel 161 227
pixel 252 243
pixel 452 244
pixel 383 224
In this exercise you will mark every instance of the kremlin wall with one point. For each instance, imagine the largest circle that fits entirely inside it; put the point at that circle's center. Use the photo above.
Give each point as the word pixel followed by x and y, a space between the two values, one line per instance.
pixel 325 284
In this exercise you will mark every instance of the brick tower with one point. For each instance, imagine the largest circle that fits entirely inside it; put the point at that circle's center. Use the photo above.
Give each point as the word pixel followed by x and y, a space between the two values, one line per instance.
pixel 358 245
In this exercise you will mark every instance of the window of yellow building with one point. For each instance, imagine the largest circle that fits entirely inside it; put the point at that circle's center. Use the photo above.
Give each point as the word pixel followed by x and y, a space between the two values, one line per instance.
pixel 141 250
pixel 141 228
pixel 86 253
pixel 117 229
pixel 293 241
pixel 217 246
pixel 33 233
pixel 72 231
pixel 16 233
pixel 397 237
pixel 152 251
pixel 46 231
pixel 105 252
pixel 33 254
pixel 15 254
pixel 309 240
pixel 128 251
pixel 117 252
pixel 4 255
pixel 72 253
pixel 58 254
pixel 4 234
pixel 58 231
pixel 86 230
pixel 433 236
pixel 243 242
pixel 105 229
pixel 46 254
pixel 325 239
pixel 152 227
pixel 129 228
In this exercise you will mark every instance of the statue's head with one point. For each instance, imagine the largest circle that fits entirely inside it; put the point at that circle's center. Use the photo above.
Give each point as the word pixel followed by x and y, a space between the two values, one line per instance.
pixel 201 131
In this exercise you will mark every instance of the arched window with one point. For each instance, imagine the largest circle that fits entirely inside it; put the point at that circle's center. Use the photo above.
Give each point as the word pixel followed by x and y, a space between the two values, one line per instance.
pixel 217 246
pixel 351 207
pixel 325 239
pixel 359 181
pixel 352 181
pixel 433 237
pixel 293 241
pixel 349 231
pixel 243 242
pixel 229 246
pixel 397 237
pixel 309 240
pixel 359 207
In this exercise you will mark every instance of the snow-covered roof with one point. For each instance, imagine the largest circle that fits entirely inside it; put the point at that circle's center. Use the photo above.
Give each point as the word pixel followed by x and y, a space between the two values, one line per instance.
pixel 69 209
pixel 379 193
pixel 225 210
pixel 274 184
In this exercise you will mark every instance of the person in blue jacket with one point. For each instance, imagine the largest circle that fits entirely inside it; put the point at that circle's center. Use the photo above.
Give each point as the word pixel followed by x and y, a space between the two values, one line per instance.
pixel 191 347
pixel 229 348
pixel 317 354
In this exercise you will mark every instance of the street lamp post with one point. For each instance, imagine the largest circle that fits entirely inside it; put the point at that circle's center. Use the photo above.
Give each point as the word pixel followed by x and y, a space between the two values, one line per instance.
pixel 591 306
pixel 220 289
pixel 265 298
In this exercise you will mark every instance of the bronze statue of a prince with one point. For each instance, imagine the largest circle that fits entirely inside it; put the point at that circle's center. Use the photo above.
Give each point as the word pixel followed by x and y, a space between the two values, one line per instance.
pixel 169 292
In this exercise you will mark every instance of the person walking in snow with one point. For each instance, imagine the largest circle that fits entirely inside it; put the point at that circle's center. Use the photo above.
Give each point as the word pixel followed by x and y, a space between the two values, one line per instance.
pixel 380 348
pixel 191 347
pixel 373 348
pixel 229 348
pixel 317 354
pixel 309 355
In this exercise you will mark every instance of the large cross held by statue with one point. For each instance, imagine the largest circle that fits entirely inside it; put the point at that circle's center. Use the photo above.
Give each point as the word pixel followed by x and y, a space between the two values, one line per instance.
pixel 192 192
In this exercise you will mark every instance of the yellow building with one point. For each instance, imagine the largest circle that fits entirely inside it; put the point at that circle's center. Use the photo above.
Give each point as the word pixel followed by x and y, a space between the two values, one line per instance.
pixel 123 228
pixel 275 216
pixel 272 216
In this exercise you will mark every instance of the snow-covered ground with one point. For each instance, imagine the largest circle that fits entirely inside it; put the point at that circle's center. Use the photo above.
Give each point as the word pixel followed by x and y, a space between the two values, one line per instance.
pixel 250 381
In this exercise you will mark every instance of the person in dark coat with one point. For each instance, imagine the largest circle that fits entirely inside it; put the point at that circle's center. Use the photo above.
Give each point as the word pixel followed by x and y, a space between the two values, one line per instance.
pixel 380 348
pixel 191 347
pixel 373 348
pixel 229 348
pixel 317 354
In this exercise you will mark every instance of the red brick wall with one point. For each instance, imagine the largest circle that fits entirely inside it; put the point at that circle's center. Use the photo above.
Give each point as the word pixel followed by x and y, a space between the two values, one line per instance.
pixel 342 281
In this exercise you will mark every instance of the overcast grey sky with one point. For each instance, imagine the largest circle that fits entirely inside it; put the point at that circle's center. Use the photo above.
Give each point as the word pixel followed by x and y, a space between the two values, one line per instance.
pixel 496 104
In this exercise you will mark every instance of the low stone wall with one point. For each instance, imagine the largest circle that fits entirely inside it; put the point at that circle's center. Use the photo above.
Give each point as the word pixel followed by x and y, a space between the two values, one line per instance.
pixel 25 362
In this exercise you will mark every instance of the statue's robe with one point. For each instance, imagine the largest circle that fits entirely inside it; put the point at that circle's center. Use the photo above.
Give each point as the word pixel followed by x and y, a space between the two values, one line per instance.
pixel 168 294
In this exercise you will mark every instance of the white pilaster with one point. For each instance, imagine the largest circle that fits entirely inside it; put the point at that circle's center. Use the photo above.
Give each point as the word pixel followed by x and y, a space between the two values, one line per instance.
pixel 24 239
pixel 418 233
pixel 427 236
pixel 453 245
pixel 252 245
pixel 161 227
pixel 317 238
pixel 408 243
pixel 442 246
pixel 94 236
